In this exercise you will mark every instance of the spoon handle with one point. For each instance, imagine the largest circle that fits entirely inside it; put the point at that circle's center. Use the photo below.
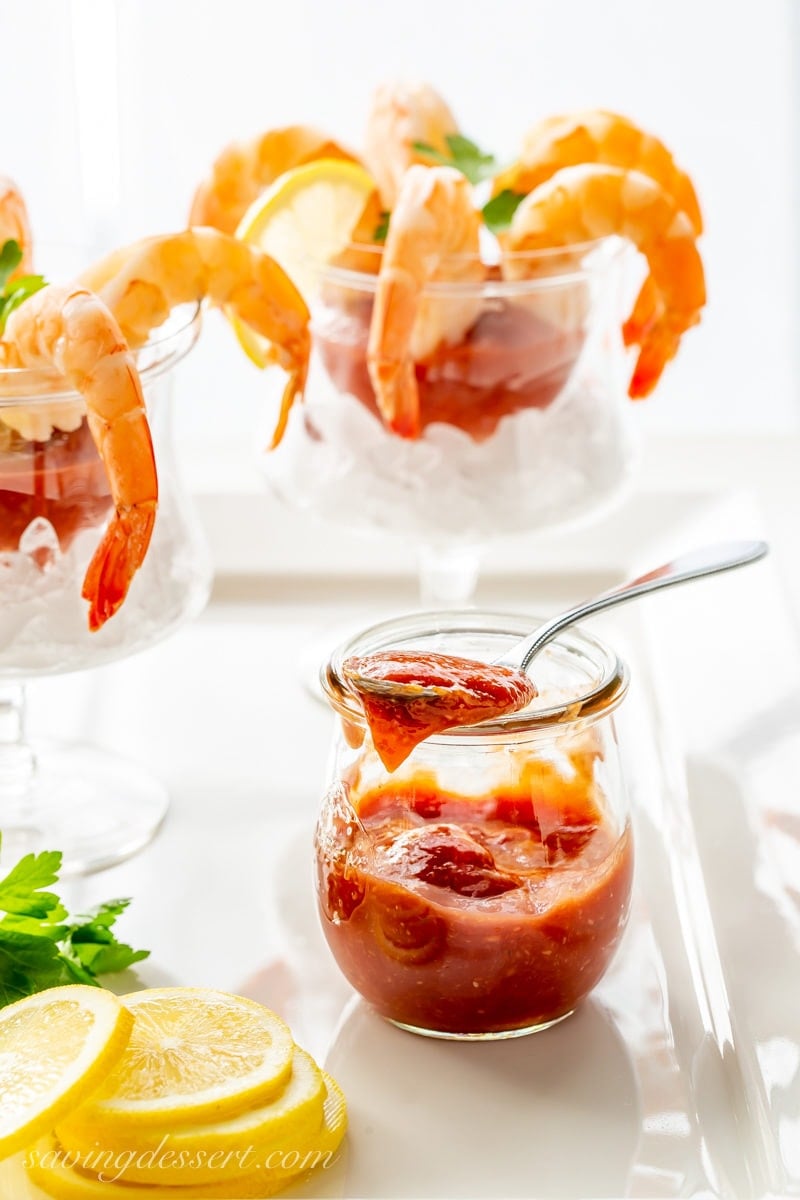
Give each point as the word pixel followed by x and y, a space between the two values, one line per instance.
pixel 709 561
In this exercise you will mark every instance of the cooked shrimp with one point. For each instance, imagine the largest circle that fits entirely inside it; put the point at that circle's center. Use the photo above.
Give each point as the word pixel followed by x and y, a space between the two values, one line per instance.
pixel 71 330
pixel 402 114
pixel 591 201
pixel 607 138
pixel 597 136
pixel 143 283
pixel 14 224
pixel 245 169
pixel 434 225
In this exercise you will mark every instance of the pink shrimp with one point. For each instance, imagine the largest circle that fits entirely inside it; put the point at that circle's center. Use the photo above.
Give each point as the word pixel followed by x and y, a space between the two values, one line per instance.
pixel 592 201
pixel 434 222
pixel 598 136
pixel 71 330
pixel 144 282
pixel 401 115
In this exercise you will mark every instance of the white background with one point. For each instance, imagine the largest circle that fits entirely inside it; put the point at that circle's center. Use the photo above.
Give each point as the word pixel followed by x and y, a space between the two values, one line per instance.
pixel 114 109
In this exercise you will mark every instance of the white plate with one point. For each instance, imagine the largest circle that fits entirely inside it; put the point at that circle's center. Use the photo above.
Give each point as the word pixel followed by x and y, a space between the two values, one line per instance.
pixel 681 1074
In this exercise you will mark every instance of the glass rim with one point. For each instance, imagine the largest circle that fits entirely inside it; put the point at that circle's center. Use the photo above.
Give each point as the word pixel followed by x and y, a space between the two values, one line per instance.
pixel 603 249
pixel 34 385
pixel 602 698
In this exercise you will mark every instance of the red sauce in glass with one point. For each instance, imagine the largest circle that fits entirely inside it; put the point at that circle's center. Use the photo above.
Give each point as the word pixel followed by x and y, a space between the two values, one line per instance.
pixel 61 479
pixel 509 360
pixel 466 693
pixel 476 915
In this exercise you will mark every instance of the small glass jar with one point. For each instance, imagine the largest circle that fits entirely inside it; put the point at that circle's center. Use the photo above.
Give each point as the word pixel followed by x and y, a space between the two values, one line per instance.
pixel 481 890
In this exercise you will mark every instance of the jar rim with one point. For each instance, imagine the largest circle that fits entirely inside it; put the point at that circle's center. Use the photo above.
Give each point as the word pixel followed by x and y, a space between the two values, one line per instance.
pixel 585 258
pixel 598 700
pixel 173 341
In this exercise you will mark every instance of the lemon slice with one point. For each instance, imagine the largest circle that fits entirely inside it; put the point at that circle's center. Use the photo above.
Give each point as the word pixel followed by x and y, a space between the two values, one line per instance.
pixel 304 220
pixel 50 1167
pixel 194 1054
pixel 55 1049
pixel 240 1144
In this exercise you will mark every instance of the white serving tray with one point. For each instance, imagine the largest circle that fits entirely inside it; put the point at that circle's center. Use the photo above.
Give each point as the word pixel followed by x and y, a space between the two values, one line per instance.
pixel 680 1076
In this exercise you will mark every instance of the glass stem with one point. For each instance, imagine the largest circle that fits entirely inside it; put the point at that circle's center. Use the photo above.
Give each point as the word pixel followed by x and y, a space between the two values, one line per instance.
pixel 17 760
pixel 448 575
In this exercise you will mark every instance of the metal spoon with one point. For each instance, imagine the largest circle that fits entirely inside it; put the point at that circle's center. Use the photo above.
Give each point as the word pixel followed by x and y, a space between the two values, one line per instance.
pixel 709 561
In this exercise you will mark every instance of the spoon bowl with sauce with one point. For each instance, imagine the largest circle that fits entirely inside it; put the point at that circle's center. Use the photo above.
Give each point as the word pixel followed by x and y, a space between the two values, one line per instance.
pixel 408 696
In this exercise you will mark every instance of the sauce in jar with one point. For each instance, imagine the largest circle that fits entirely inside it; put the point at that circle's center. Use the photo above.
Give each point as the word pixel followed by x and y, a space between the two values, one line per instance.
pixel 481 914
pixel 61 479
pixel 510 359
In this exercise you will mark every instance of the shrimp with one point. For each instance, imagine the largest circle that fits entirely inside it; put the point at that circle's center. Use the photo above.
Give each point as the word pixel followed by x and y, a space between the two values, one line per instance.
pixel 244 169
pixel 598 136
pixel 434 224
pixel 143 283
pixel 402 114
pixel 592 201
pixel 601 137
pixel 14 224
pixel 71 330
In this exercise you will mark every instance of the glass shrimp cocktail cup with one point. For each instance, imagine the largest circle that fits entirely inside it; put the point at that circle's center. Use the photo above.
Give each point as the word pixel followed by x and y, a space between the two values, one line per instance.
pixel 522 386
pixel 480 890
pixel 95 807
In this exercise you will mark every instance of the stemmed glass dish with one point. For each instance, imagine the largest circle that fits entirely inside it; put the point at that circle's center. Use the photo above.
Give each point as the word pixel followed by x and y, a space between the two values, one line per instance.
pixel 481 889
pixel 522 410
pixel 54 504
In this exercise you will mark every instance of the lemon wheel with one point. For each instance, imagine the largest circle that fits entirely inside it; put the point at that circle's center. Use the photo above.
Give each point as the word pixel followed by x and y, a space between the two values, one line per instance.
pixel 56 1048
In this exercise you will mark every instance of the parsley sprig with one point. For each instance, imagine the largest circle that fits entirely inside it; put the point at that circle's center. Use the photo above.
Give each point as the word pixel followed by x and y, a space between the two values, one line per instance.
pixel 477 165
pixel 464 155
pixel 13 293
pixel 41 946
pixel 498 212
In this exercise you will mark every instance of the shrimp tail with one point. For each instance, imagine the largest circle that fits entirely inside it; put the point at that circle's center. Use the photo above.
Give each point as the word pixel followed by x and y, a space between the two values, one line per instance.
pixel 391 367
pixel 646 311
pixel 116 560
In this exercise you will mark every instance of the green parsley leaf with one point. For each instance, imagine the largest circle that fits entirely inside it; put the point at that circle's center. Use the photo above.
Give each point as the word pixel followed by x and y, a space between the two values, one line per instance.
pixel 15 293
pixel 28 964
pixel 432 153
pixel 10 258
pixel 382 228
pixel 464 155
pixel 20 890
pixel 90 941
pixel 41 946
pixel 497 213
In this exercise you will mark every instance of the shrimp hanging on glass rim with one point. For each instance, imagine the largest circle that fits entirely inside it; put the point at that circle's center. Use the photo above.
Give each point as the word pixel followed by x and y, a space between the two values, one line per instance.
pixel 71 330
pixel 434 234
pixel 142 283
pixel 591 201
pixel 609 139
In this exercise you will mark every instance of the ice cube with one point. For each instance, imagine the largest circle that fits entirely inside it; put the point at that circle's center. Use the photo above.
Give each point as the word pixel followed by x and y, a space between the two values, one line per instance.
pixel 39 541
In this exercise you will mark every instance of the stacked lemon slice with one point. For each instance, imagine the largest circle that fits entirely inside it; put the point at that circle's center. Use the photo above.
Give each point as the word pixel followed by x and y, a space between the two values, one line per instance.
pixel 164 1090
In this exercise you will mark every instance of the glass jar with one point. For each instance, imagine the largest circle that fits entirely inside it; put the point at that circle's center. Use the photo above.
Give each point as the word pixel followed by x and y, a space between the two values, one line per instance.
pixel 96 807
pixel 481 890
pixel 522 386
pixel 54 504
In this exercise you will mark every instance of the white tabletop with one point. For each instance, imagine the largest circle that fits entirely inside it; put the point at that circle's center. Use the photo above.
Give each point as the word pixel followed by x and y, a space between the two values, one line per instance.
pixel 224 896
